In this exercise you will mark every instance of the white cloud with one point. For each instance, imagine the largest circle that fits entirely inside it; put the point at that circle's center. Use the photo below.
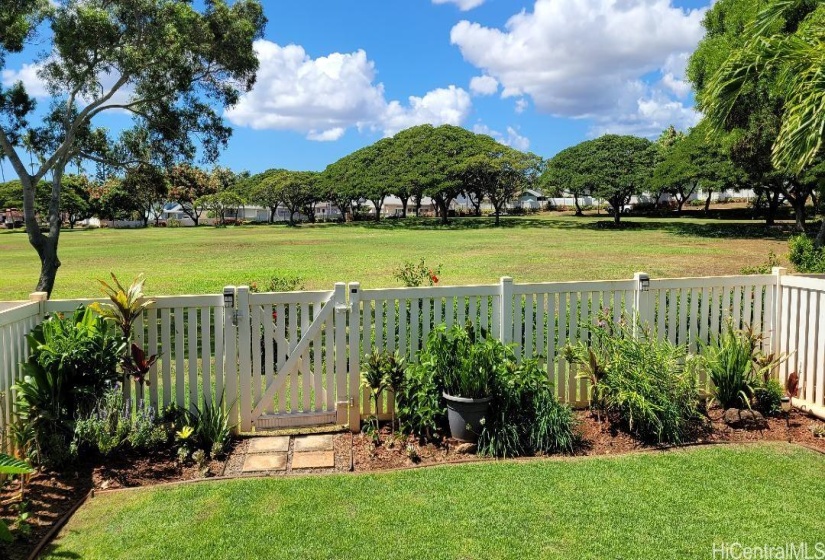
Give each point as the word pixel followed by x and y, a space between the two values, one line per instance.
pixel 512 138
pixel 36 86
pixel 521 104
pixel 322 97
pixel 27 74
pixel 483 85
pixel 587 58
pixel 463 5
pixel 449 105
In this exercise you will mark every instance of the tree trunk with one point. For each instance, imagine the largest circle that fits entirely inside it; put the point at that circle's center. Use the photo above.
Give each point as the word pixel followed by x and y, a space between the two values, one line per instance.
pixel 404 200
pixel 617 212
pixel 498 215
pixel 378 204
pixel 291 217
pixel 773 206
pixel 819 242
pixel 272 210
pixel 417 205
pixel 576 204
pixel 707 202
pixel 46 246
pixel 443 206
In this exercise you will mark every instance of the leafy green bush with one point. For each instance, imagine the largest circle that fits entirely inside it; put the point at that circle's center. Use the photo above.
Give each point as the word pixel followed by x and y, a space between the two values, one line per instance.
pixel 278 282
pixel 804 256
pixel 9 466
pixel 525 415
pixel 417 274
pixel 73 361
pixel 769 397
pixel 524 418
pixel 764 268
pixel 640 382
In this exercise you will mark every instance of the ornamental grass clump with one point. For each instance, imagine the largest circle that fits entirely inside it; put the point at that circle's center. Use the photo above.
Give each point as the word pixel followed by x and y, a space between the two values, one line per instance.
pixel 648 386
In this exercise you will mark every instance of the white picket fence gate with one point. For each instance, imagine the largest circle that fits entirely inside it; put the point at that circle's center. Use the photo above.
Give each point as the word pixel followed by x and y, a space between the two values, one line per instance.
pixel 293 358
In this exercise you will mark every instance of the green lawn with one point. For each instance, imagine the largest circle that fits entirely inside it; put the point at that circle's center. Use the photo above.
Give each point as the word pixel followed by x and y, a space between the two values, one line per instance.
pixel 657 506
pixel 543 248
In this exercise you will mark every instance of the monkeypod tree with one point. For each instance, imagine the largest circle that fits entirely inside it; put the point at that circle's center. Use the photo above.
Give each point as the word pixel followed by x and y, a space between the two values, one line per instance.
pixel 170 65
pixel 612 167
pixel 697 160
pixel 566 173
pixel 188 185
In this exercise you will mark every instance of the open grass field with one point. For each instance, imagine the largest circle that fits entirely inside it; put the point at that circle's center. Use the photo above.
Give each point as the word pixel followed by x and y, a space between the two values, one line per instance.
pixel 546 247
pixel 660 505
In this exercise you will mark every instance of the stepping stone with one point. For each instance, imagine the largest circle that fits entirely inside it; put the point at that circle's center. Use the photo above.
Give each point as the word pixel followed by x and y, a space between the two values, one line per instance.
pixel 272 444
pixel 265 462
pixel 313 443
pixel 313 460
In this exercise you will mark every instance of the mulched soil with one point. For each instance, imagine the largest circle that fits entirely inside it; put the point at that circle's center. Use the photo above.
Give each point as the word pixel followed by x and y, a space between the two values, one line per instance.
pixel 599 435
pixel 48 496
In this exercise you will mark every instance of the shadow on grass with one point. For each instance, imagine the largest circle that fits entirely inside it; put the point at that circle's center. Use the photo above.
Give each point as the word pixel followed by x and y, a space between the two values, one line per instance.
pixel 702 227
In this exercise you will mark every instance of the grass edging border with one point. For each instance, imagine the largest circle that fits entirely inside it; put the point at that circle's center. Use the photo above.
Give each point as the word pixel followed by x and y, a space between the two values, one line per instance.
pixel 460 462
pixel 58 525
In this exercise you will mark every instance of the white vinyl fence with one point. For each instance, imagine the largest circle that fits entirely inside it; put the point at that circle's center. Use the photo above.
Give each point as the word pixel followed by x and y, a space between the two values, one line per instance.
pixel 293 358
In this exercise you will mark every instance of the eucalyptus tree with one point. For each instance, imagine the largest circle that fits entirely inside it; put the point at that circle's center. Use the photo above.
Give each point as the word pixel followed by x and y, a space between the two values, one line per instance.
pixel 165 62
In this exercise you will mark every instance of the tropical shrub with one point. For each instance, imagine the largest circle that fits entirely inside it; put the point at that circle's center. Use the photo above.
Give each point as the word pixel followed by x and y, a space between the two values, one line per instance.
pixel 525 415
pixel 208 429
pixel 805 256
pixel 728 360
pixel 768 395
pixel 278 282
pixel 73 361
pixel 417 274
pixel 640 382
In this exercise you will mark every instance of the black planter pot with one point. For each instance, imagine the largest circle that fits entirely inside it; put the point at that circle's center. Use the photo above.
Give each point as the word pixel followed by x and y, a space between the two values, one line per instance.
pixel 464 416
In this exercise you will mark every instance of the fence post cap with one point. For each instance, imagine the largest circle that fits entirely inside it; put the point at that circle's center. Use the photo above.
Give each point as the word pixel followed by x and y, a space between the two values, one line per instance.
pixel 38 296
pixel 778 270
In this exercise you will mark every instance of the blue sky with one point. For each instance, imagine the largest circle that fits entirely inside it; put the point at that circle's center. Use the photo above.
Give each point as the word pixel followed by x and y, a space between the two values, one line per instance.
pixel 540 75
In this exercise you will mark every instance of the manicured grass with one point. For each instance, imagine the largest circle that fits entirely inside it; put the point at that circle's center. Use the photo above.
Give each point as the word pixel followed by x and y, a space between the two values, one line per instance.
pixel 532 249
pixel 668 505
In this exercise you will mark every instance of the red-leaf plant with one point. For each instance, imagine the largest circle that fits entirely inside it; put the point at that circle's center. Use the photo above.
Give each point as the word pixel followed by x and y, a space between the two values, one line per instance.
pixel 137 364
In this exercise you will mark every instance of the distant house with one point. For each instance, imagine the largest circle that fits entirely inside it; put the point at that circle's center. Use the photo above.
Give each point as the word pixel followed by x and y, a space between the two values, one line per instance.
pixel 532 199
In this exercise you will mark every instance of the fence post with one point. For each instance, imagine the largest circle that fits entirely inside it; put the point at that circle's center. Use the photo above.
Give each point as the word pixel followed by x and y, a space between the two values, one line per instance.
pixel 776 317
pixel 230 353
pixel 244 357
pixel 41 298
pixel 355 356
pixel 641 299
pixel 340 342
pixel 505 301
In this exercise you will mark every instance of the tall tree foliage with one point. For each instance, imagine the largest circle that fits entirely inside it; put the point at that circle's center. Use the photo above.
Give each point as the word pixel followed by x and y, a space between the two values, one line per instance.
pixel 163 61
pixel 757 74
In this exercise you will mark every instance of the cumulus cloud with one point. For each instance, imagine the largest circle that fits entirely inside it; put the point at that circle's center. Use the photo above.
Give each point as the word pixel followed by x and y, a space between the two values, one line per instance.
pixel 463 5
pixel 322 97
pixel 483 85
pixel 512 138
pixel 587 58
pixel 28 75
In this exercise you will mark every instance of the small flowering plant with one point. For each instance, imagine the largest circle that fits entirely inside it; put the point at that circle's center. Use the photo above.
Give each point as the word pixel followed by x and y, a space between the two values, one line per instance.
pixel 413 274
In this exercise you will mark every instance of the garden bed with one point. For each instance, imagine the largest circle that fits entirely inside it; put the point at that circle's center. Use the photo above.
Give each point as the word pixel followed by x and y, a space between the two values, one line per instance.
pixel 599 438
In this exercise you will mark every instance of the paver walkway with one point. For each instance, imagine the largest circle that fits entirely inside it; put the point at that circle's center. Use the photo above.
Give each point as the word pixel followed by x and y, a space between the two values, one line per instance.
pixel 280 454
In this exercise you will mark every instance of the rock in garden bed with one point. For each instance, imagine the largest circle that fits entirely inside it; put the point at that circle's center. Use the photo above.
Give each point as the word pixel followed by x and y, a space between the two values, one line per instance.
pixel 745 419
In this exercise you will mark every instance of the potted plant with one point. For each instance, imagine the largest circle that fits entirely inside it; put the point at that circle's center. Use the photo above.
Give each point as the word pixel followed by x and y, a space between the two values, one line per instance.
pixel 468 385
